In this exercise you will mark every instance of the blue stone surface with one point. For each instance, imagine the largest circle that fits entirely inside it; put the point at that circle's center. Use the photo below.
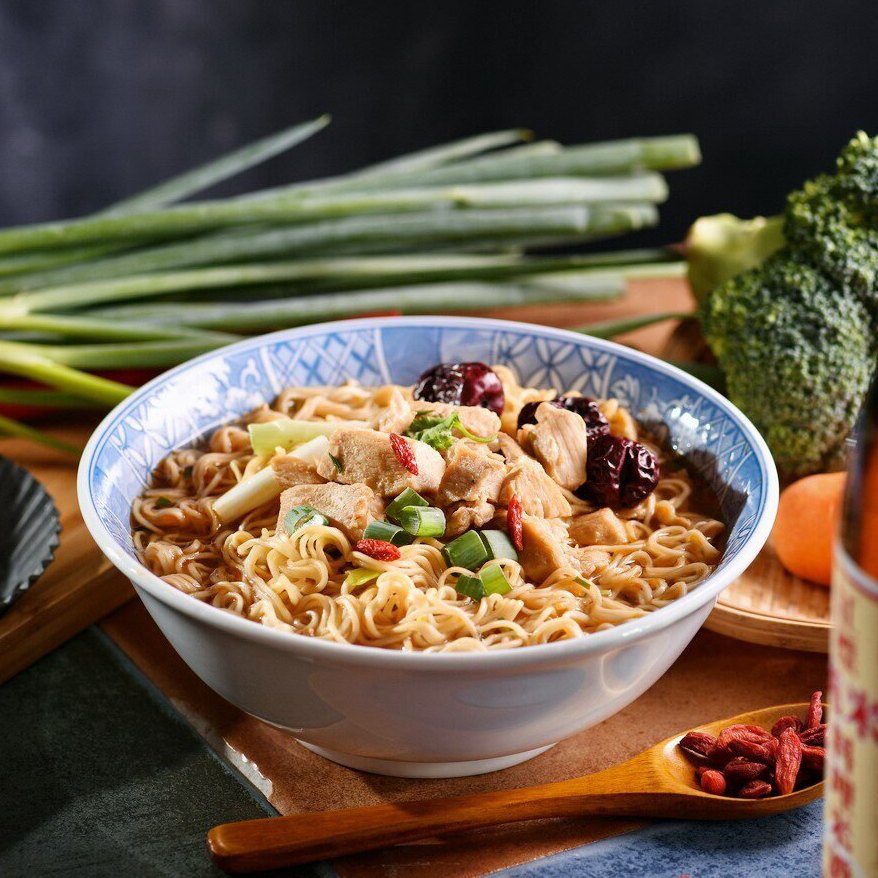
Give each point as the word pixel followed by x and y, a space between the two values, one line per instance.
pixel 781 845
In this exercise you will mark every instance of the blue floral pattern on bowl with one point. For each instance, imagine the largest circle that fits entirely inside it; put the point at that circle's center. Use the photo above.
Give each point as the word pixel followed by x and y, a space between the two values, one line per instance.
pixel 187 403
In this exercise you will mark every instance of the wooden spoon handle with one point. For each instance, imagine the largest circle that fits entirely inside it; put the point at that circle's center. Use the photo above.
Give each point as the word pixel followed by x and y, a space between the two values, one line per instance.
pixel 274 842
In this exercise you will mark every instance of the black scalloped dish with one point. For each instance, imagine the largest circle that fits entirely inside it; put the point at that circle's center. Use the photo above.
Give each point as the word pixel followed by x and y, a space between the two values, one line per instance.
pixel 29 531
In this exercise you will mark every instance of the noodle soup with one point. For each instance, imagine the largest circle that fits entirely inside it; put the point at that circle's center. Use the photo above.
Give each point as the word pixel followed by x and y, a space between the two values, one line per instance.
pixel 464 513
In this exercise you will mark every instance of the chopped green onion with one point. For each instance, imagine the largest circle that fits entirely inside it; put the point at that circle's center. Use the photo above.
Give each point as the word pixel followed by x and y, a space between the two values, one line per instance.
pixel 360 576
pixel 265 438
pixel 467 551
pixel 163 503
pixel 470 586
pixel 422 521
pixel 390 533
pixel 303 516
pixel 498 544
pixel 494 579
pixel 407 498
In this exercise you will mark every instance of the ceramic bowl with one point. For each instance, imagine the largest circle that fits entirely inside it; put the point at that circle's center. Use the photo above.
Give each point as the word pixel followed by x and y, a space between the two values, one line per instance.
pixel 415 714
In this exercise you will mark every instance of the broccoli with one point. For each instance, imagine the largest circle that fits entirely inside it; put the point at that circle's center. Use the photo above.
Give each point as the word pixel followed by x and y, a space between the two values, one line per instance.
pixel 797 354
pixel 795 333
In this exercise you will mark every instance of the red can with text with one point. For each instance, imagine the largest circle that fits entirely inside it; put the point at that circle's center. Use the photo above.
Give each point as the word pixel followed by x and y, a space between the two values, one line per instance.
pixel 851 826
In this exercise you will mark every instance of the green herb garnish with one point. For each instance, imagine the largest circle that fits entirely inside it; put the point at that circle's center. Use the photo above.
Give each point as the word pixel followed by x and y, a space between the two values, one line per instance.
pixel 467 551
pixel 423 521
pixel 303 516
pixel 360 576
pixel 435 431
pixel 470 586
pixel 163 503
pixel 336 462
pixel 390 533
pixel 187 472
pixel 407 498
pixel 494 579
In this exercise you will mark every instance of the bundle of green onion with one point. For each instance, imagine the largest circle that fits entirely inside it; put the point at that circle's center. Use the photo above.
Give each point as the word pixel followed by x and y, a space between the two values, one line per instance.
pixel 150 282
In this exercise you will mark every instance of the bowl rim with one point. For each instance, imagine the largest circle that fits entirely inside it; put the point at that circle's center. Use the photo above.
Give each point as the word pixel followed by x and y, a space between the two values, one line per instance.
pixel 332 652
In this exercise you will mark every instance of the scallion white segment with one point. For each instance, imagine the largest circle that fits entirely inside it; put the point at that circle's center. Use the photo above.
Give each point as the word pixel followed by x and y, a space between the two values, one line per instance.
pixel 266 438
pixel 261 487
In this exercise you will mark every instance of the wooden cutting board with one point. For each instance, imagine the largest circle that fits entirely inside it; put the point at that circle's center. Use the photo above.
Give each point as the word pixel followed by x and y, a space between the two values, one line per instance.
pixel 80 586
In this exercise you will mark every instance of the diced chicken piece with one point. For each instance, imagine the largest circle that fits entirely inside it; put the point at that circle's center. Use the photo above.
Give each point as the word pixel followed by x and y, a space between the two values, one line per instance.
pixel 558 441
pixel 366 457
pixel 601 528
pixel 348 507
pixel 473 474
pixel 539 494
pixel 462 517
pixel 481 421
pixel 290 471
pixel 396 416
pixel 545 547
pixel 509 448
pixel 589 561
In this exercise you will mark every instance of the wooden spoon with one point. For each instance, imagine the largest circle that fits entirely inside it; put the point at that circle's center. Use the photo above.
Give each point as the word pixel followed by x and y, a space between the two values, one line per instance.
pixel 660 782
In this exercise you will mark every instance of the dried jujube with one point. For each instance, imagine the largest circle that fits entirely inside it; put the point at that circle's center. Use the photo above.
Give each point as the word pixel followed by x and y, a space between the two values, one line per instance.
pixel 462 384
pixel 619 472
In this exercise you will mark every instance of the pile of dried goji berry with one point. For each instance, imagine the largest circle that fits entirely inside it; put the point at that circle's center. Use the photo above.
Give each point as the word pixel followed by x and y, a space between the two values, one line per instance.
pixel 752 762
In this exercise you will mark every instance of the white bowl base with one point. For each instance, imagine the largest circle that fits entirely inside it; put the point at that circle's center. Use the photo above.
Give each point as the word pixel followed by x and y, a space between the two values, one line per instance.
pixel 400 768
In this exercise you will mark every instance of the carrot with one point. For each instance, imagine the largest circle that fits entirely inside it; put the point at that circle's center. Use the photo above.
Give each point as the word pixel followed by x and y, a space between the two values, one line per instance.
pixel 804 531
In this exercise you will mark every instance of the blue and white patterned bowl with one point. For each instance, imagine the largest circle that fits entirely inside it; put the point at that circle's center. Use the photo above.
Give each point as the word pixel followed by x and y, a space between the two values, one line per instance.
pixel 413 714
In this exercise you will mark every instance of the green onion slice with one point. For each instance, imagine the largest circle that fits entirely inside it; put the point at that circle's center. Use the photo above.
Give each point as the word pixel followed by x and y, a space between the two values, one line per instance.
pixel 385 530
pixel 498 544
pixel 470 586
pixel 467 551
pixel 267 437
pixel 360 576
pixel 494 579
pixel 303 516
pixel 422 521
pixel 407 498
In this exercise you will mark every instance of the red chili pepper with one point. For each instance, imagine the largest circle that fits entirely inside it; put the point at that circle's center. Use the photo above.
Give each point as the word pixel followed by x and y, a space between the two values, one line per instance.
pixel 404 453
pixel 513 522
pixel 380 550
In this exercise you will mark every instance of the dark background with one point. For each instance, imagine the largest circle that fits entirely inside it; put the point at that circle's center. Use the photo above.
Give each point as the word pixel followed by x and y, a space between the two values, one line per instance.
pixel 99 98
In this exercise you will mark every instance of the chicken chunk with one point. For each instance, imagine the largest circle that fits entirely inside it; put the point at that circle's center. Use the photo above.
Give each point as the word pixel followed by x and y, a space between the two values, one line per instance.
pixel 396 416
pixel 348 507
pixel 539 495
pixel 601 528
pixel 589 561
pixel 545 548
pixel 473 474
pixel 481 421
pixel 290 471
pixel 366 457
pixel 461 517
pixel 558 441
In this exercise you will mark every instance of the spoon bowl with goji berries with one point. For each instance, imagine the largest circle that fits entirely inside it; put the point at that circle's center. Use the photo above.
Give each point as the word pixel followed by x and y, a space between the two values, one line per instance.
pixel 757 763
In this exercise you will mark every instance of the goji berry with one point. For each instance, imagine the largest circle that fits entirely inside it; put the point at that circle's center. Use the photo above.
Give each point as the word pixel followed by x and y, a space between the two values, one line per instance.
pixel 513 522
pixel 753 751
pixel 404 453
pixel 815 711
pixel 788 762
pixel 755 789
pixel 740 771
pixel 713 782
pixel 786 722
pixel 815 737
pixel 699 743
pixel 743 732
pixel 813 757
pixel 380 550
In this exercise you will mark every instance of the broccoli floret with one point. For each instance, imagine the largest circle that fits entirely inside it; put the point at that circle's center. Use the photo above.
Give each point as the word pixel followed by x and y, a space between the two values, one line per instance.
pixel 798 352
pixel 832 222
